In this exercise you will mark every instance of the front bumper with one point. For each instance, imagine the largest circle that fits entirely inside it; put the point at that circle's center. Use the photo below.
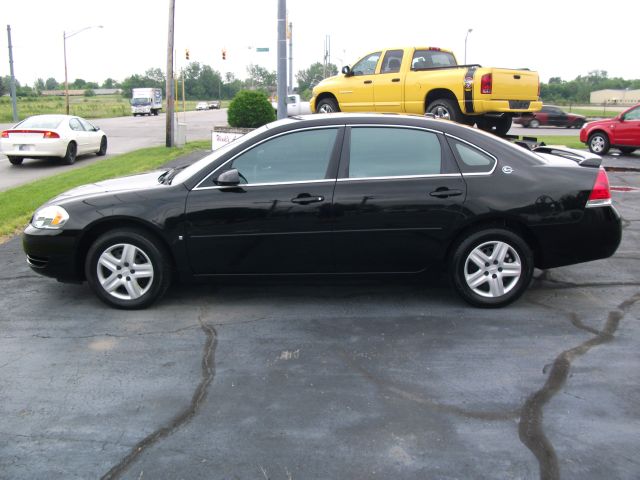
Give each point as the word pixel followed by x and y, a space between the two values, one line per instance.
pixel 52 253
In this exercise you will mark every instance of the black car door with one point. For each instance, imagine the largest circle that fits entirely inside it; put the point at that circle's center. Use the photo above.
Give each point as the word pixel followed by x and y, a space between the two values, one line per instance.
pixel 278 219
pixel 398 197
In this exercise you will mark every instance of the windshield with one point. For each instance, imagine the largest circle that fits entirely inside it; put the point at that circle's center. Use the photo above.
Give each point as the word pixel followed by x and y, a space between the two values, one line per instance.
pixel 41 122
pixel 209 159
pixel 140 101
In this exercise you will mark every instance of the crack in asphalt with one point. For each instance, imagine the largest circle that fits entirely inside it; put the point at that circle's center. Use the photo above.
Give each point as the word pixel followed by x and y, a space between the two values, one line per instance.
pixel 538 283
pixel 421 400
pixel 98 335
pixel 530 428
pixel 208 370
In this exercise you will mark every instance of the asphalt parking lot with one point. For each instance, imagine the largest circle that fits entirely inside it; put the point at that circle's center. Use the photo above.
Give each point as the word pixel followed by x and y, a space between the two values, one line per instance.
pixel 323 379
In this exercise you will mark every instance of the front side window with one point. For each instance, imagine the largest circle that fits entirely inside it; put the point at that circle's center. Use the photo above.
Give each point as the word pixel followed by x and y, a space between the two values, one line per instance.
pixel 294 157
pixel 633 114
pixel 471 159
pixel 393 152
pixel 366 66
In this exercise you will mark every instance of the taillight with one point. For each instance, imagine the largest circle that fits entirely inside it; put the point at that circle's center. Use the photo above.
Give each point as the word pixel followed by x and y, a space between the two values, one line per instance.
pixel 5 134
pixel 486 83
pixel 50 135
pixel 45 133
pixel 601 192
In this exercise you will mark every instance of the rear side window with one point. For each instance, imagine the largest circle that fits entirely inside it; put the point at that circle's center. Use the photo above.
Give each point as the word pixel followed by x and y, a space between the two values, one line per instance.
pixel 393 152
pixel 295 157
pixel 74 124
pixel 432 59
pixel 471 159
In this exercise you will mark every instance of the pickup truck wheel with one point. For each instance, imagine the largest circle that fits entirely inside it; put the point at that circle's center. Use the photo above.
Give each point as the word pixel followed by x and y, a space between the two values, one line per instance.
pixel 327 105
pixel 599 143
pixel 15 160
pixel 498 126
pixel 444 108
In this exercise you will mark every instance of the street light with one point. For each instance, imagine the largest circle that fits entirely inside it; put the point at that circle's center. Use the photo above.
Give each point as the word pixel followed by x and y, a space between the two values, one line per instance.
pixel 64 41
pixel 465 44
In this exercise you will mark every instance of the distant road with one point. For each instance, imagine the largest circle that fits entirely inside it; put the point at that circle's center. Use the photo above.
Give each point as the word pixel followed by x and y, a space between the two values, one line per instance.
pixel 125 134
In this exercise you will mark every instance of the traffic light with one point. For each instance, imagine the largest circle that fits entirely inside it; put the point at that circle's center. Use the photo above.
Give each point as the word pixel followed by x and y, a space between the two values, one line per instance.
pixel 224 54
pixel 186 53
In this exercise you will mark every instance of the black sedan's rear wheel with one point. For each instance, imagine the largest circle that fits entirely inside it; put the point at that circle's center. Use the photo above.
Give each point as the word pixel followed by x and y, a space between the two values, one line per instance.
pixel 599 143
pixel 492 267
pixel 128 269
pixel 15 160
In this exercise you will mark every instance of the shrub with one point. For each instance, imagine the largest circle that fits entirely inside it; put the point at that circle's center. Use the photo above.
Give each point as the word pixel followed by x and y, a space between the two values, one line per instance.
pixel 89 93
pixel 250 109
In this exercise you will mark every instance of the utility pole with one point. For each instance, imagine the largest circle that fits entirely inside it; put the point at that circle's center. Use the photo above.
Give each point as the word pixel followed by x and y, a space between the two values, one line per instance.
pixel 327 55
pixel 290 37
pixel 13 78
pixel 169 86
pixel 282 59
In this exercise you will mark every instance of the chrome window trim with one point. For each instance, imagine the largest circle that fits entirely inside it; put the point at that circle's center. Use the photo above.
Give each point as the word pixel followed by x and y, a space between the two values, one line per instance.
pixel 399 177
pixel 413 127
pixel 477 174
pixel 270 184
pixel 323 127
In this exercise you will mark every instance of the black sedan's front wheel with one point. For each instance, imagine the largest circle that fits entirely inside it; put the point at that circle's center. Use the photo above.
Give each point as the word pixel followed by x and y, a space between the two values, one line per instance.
pixel 491 268
pixel 127 269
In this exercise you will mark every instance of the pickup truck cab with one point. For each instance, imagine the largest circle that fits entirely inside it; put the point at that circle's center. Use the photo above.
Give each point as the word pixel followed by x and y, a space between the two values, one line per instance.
pixel 423 80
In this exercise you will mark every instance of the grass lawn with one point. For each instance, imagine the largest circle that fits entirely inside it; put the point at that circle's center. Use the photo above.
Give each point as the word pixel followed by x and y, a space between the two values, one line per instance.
pixel 567 141
pixel 99 106
pixel 18 204
pixel 592 112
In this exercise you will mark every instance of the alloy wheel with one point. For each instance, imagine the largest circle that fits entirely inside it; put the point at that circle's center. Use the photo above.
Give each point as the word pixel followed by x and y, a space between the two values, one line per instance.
pixel 492 269
pixel 125 271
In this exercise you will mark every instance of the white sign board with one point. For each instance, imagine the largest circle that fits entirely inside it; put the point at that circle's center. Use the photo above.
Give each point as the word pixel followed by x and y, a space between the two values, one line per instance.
pixel 220 139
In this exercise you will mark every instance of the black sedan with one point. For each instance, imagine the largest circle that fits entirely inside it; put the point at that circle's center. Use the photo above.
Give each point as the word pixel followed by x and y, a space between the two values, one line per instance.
pixel 332 195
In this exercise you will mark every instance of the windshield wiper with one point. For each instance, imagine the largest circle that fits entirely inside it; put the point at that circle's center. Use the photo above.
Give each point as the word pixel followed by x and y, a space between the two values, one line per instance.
pixel 167 176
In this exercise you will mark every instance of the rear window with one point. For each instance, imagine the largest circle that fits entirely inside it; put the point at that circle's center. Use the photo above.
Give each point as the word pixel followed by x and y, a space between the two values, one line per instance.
pixel 41 122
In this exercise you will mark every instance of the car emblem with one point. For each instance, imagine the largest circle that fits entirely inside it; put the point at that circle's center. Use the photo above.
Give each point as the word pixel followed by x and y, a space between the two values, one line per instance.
pixel 507 169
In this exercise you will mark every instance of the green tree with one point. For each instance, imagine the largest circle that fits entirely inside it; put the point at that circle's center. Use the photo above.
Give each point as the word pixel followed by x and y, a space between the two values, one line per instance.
pixel 40 86
pixel 109 83
pixel 309 78
pixel 51 84
pixel 261 78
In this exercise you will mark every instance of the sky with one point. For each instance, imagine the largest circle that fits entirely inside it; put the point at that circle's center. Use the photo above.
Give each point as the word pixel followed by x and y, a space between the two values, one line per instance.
pixel 563 38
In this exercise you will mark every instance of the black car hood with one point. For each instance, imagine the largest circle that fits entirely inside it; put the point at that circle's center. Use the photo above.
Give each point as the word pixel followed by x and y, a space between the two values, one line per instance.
pixel 143 181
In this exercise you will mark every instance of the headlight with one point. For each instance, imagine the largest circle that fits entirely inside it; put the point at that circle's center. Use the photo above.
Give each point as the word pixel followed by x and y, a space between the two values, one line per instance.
pixel 52 217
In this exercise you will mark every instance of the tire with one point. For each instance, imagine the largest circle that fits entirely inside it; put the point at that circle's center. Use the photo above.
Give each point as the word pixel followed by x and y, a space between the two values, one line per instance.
pixel 598 143
pixel 478 266
pixel 498 126
pixel 625 150
pixel 327 105
pixel 103 147
pixel 72 152
pixel 446 109
pixel 155 113
pixel 108 269
pixel 577 124
pixel 534 123
pixel 15 160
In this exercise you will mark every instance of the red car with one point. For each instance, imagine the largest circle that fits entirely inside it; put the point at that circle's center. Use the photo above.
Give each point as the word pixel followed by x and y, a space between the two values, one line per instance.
pixel 621 132
pixel 550 116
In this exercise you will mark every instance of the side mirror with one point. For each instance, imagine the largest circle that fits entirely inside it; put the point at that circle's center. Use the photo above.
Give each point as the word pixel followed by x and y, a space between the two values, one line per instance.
pixel 96 128
pixel 621 117
pixel 347 71
pixel 230 178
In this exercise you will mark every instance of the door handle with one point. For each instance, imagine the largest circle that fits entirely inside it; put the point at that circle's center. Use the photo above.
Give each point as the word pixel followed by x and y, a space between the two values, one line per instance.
pixel 368 81
pixel 305 199
pixel 395 79
pixel 444 192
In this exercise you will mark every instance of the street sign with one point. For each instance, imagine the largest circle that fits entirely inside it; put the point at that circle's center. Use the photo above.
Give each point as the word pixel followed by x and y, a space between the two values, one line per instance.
pixel 262 49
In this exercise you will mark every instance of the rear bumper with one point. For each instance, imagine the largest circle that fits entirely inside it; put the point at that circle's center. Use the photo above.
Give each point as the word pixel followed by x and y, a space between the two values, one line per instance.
pixel 501 106
pixel 597 235
pixel 52 253
pixel 34 148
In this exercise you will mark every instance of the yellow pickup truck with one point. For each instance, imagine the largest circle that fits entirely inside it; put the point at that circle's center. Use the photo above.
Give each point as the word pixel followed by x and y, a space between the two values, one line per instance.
pixel 429 80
